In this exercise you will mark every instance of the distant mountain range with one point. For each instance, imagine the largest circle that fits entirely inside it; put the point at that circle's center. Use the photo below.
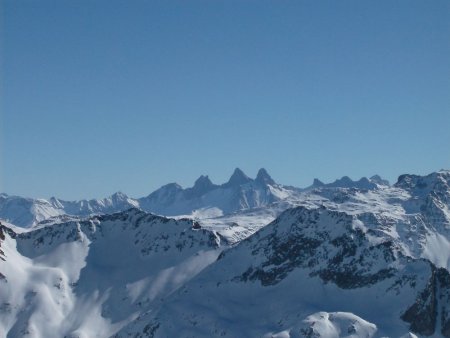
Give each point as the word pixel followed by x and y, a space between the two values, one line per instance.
pixel 345 259
pixel 238 194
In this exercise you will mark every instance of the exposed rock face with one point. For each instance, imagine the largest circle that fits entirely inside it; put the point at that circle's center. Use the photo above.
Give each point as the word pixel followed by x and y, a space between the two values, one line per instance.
pixel 201 186
pixel 429 193
pixel 345 256
pixel 263 177
pixel 238 178
pixel 434 299
pixel 350 259
pixel 2 238
pixel 132 221
pixel 3 232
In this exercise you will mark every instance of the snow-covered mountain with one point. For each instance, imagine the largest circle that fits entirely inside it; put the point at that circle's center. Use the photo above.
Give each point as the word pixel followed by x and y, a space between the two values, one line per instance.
pixel 333 260
pixel 372 264
pixel 307 261
pixel 27 212
pixel 90 278
pixel 239 193
pixel 204 200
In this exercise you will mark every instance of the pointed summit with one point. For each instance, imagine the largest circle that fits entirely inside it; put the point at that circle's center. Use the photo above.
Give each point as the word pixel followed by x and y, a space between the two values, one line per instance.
pixel 238 178
pixel 202 185
pixel 379 180
pixel 317 183
pixel 202 181
pixel 365 183
pixel 263 177
pixel 117 196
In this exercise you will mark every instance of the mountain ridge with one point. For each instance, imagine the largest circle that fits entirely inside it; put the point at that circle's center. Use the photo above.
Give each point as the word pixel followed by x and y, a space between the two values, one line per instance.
pixel 334 257
pixel 324 262
pixel 239 193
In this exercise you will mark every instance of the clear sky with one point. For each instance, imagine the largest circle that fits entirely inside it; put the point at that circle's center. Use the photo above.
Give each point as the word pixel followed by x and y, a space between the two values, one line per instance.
pixel 100 96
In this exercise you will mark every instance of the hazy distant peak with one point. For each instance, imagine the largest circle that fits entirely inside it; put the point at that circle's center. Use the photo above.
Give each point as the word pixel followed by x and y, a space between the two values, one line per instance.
pixel 119 195
pixel 347 182
pixel 379 180
pixel 263 177
pixel 317 183
pixel 344 180
pixel 364 180
pixel 238 178
pixel 171 186
pixel 202 185
pixel 202 180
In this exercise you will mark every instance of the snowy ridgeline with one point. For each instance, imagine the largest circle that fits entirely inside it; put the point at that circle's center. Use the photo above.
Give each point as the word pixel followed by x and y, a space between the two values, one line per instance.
pixel 204 199
pixel 327 261
pixel 92 277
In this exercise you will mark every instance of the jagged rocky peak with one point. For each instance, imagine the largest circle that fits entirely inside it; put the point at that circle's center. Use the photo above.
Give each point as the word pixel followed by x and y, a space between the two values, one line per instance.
pixel 346 182
pixel 238 178
pixel 379 180
pixel 440 179
pixel 203 184
pixel 365 183
pixel 2 238
pixel 317 183
pixel 408 181
pixel 263 177
pixel 119 196
pixel 434 189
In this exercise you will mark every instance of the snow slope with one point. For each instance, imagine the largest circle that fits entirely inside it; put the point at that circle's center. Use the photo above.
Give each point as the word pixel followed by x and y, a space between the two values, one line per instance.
pixel 90 278
pixel 331 325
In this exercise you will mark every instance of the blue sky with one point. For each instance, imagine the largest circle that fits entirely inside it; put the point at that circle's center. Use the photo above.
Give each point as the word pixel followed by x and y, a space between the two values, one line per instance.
pixel 100 96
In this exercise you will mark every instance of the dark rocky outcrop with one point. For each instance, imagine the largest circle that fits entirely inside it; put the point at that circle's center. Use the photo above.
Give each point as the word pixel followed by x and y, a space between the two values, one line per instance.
pixel 434 299
pixel 349 260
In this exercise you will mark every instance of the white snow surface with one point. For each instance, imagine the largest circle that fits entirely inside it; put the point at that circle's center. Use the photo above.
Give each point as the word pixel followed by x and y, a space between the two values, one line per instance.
pixel 339 324
pixel 330 325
